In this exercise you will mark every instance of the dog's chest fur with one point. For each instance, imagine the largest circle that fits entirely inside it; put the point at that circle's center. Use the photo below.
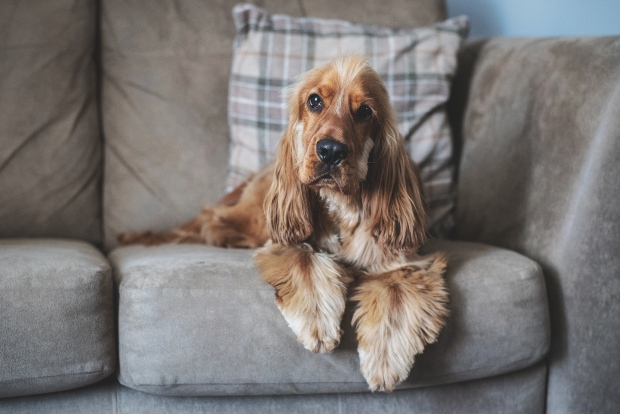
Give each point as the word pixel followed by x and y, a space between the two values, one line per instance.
pixel 350 237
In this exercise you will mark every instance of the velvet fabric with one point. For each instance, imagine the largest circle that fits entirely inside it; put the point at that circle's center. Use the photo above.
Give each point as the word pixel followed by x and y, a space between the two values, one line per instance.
pixel 57 328
pixel 539 174
pixel 197 320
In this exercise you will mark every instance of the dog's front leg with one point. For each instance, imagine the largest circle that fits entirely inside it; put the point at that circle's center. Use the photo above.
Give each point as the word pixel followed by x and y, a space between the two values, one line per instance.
pixel 399 312
pixel 310 289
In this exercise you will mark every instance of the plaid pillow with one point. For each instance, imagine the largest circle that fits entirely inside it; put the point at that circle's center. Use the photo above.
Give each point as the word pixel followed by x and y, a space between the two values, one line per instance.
pixel 417 65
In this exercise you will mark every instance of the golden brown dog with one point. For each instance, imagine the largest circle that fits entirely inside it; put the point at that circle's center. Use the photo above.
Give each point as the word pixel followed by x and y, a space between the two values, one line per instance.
pixel 342 200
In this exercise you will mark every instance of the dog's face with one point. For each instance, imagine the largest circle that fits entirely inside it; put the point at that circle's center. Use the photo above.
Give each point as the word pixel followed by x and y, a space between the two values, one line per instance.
pixel 335 113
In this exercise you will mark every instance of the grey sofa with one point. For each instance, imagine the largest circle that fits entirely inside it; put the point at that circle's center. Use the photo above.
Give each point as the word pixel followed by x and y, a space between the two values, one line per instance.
pixel 112 117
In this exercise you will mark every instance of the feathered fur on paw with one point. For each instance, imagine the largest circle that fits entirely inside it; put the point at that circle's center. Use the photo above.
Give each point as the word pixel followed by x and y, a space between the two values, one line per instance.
pixel 310 289
pixel 399 312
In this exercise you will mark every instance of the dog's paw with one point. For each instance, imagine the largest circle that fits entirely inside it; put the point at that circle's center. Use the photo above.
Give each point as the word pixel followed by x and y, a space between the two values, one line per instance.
pixel 398 314
pixel 382 371
pixel 310 289
pixel 317 331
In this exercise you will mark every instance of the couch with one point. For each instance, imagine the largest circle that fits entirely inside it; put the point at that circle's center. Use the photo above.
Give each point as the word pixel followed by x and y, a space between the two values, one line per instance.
pixel 114 118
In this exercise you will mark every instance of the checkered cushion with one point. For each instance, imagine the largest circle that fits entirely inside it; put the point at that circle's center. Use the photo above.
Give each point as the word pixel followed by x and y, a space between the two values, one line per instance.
pixel 417 65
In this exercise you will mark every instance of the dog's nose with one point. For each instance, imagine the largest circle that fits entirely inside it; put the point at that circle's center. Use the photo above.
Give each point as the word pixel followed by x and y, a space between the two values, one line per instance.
pixel 331 152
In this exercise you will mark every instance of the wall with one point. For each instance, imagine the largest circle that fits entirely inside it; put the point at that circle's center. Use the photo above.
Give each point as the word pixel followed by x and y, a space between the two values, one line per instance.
pixel 517 18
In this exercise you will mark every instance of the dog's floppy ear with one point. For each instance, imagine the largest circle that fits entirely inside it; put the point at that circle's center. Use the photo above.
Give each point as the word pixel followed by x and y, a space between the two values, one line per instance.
pixel 288 202
pixel 392 193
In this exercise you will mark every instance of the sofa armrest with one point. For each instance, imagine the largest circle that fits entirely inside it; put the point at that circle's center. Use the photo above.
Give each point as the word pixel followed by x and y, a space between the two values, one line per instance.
pixel 537 123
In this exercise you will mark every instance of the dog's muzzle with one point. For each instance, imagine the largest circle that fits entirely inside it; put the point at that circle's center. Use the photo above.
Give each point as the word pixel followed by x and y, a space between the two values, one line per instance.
pixel 331 152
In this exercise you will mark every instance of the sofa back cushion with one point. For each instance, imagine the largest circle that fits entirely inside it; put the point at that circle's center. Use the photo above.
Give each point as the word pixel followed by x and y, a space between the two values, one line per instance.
pixel 165 84
pixel 50 146
pixel 539 175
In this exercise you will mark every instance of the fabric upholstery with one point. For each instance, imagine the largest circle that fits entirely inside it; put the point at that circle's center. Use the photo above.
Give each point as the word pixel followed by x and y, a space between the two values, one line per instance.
pixel 164 91
pixel 50 146
pixel 197 320
pixel 539 175
pixel 57 328
pixel 416 65
pixel 521 392
pixel 391 13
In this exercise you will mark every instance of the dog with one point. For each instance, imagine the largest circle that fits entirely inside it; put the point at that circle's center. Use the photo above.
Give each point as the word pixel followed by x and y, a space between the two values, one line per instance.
pixel 341 202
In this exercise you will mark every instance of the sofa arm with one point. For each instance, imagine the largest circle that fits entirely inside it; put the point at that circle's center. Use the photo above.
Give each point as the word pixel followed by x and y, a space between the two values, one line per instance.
pixel 537 123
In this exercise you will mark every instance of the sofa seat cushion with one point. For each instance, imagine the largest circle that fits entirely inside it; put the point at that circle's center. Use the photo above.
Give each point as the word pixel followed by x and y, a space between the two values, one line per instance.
pixel 56 316
pixel 197 320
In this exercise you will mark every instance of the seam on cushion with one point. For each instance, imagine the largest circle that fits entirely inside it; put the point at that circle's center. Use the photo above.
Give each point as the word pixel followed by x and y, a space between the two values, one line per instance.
pixel 530 266
pixel 54 376
pixel 54 289
pixel 246 383
pixel 122 56
pixel 533 265
pixel 185 288
pixel 508 369
pixel 332 27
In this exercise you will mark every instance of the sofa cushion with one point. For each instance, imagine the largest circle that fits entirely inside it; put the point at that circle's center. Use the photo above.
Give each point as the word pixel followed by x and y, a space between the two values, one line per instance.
pixel 50 146
pixel 198 320
pixel 164 90
pixel 416 65
pixel 521 392
pixel 57 328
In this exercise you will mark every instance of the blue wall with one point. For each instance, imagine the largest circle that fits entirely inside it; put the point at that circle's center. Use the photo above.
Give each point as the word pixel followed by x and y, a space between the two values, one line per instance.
pixel 491 18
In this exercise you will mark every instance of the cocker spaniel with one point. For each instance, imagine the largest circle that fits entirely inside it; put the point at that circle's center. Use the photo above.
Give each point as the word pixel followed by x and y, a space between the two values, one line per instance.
pixel 341 202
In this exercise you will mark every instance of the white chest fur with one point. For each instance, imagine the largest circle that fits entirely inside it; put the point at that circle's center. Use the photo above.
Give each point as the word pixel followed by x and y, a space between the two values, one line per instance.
pixel 353 242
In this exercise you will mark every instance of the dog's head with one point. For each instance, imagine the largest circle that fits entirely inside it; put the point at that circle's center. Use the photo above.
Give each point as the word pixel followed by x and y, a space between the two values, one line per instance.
pixel 342 137
pixel 335 114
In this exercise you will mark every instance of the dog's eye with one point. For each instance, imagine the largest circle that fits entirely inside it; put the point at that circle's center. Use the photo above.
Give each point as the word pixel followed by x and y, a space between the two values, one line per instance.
pixel 364 113
pixel 315 103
